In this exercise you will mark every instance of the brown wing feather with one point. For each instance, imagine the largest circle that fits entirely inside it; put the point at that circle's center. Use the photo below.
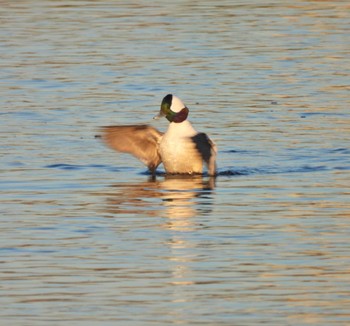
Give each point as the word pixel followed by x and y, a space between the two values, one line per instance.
pixel 207 150
pixel 139 140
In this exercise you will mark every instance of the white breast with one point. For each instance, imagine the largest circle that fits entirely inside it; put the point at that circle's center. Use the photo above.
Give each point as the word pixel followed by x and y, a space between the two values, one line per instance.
pixel 178 151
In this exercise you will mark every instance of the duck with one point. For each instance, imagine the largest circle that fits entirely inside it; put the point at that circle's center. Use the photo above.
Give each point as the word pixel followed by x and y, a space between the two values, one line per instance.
pixel 181 149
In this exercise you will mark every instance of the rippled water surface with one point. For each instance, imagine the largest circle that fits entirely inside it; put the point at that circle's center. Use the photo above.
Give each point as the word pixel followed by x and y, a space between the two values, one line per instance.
pixel 87 238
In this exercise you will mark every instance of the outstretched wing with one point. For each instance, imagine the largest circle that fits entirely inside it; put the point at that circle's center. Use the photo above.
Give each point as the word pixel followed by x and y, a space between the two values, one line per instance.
pixel 207 149
pixel 139 140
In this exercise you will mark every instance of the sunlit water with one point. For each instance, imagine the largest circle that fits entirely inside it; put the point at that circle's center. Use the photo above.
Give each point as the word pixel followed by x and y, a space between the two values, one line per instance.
pixel 88 239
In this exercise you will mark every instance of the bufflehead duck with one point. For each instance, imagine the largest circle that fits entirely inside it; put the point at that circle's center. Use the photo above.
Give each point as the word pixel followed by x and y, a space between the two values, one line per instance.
pixel 181 148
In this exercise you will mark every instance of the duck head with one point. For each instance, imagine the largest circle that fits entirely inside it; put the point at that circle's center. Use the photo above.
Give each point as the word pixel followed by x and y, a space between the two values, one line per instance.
pixel 173 109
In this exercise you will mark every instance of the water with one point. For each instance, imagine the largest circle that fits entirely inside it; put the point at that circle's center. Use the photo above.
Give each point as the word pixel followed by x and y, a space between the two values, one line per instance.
pixel 87 238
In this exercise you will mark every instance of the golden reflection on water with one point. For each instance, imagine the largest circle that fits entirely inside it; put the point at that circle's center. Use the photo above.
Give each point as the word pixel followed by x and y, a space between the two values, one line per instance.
pixel 269 81
pixel 176 199
pixel 176 194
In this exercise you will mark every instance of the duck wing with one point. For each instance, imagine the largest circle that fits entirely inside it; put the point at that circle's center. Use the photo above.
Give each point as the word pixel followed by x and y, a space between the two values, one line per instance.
pixel 207 149
pixel 140 141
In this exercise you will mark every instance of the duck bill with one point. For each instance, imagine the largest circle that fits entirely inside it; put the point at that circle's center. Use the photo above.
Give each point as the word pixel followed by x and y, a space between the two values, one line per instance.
pixel 159 115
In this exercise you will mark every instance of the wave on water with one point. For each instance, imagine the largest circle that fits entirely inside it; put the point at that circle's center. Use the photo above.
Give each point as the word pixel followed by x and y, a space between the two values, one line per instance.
pixel 64 166
pixel 222 172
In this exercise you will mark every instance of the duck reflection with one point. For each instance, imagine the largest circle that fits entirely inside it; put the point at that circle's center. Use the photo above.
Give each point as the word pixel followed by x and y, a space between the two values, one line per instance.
pixel 180 199
pixel 176 197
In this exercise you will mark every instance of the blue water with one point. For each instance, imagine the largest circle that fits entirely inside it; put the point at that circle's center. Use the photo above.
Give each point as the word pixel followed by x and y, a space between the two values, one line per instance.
pixel 88 237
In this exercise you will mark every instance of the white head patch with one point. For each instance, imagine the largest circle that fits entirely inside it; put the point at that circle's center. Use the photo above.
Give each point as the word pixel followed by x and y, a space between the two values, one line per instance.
pixel 176 104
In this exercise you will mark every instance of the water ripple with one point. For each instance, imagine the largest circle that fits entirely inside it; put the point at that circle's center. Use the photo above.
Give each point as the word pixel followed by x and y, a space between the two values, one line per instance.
pixel 87 236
